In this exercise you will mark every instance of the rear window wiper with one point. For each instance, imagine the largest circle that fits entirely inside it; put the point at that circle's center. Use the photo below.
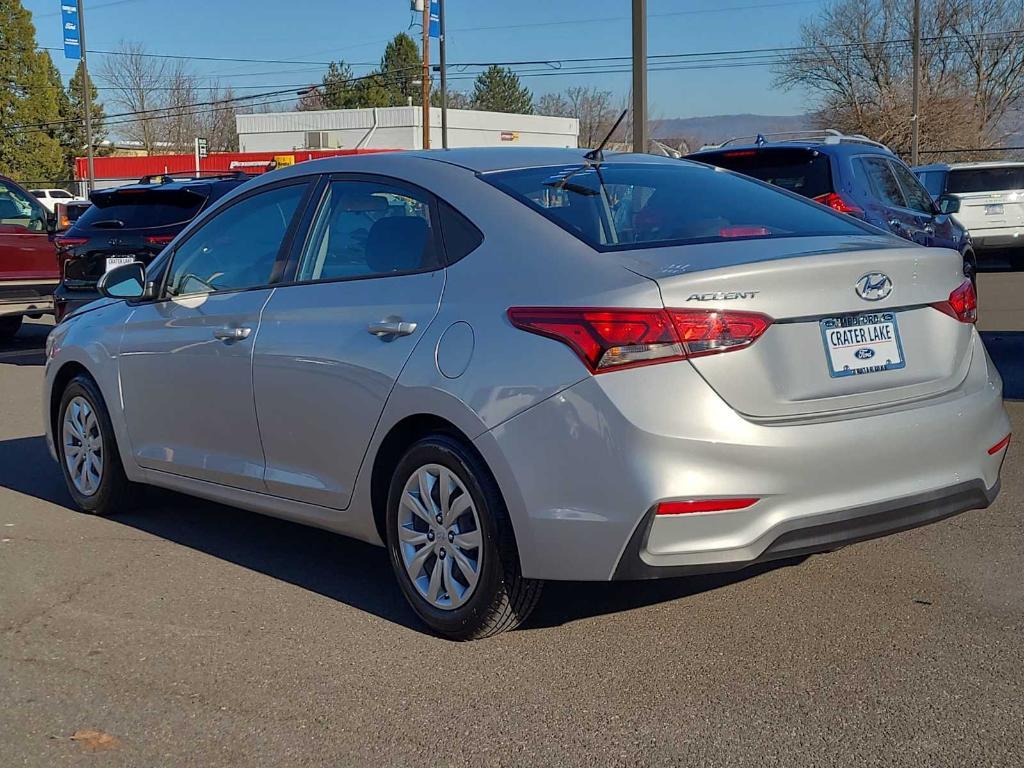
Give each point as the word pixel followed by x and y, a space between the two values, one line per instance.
pixel 109 224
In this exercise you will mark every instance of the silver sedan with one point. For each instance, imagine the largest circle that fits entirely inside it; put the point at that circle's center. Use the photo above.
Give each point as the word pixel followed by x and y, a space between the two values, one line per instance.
pixel 509 366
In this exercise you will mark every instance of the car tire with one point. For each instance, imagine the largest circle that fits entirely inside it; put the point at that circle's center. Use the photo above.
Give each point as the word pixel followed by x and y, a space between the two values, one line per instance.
pixel 83 421
pixel 435 542
pixel 9 327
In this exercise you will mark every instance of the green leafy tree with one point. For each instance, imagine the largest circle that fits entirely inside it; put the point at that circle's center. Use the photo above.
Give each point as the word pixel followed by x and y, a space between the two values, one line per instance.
pixel 401 69
pixel 30 98
pixel 338 90
pixel 498 89
pixel 74 139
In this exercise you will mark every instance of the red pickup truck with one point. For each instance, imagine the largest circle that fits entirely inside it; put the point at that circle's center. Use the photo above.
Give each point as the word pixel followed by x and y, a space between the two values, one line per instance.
pixel 29 270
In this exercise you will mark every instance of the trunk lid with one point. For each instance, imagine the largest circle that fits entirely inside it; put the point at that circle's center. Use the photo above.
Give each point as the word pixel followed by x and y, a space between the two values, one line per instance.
pixel 800 282
pixel 991 197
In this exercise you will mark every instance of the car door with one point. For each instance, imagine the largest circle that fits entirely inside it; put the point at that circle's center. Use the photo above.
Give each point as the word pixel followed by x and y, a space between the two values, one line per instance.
pixel 934 228
pixel 889 208
pixel 365 285
pixel 26 249
pixel 186 358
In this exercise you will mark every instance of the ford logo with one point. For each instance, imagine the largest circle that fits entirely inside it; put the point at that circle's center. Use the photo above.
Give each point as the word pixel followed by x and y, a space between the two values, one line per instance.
pixel 864 354
pixel 874 286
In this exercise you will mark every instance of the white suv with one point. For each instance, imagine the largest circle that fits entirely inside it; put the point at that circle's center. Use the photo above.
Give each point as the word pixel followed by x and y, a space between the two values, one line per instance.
pixel 50 197
pixel 986 198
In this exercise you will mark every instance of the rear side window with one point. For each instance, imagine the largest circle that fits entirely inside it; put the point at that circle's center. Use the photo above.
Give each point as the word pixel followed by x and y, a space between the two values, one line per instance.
pixel 985 180
pixel 60 194
pixel 461 238
pixel 804 171
pixel 625 206
pixel 932 181
pixel 142 208
pixel 917 197
pixel 879 176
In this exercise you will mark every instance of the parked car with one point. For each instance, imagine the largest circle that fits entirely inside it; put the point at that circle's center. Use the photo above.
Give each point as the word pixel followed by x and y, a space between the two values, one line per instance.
pixel 50 197
pixel 126 224
pixel 28 261
pixel 852 175
pixel 513 365
pixel 987 199
pixel 68 213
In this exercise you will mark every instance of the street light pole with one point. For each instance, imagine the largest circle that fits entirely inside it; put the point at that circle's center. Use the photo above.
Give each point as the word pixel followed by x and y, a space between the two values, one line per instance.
pixel 915 98
pixel 639 75
pixel 444 75
pixel 425 92
pixel 86 98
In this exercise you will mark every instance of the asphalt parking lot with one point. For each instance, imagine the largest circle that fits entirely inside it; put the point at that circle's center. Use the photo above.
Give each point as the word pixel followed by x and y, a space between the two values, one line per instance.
pixel 194 634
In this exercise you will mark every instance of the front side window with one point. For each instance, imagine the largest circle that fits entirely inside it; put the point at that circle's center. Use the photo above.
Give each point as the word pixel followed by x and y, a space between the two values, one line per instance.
pixel 365 229
pixel 238 248
pixel 880 178
pixel 623 206
pixel 917 197
pixel 16 209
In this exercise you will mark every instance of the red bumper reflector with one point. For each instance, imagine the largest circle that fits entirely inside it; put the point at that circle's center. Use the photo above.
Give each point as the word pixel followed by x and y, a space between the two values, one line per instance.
pixel 999 446
pixel 703 505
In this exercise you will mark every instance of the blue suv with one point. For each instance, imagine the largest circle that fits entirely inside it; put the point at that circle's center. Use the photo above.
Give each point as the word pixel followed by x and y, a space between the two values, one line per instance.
pixel 853 175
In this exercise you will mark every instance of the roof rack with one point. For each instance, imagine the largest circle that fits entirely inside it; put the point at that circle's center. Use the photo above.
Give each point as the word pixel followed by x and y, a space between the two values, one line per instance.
pixel 167 178
pixel 826 136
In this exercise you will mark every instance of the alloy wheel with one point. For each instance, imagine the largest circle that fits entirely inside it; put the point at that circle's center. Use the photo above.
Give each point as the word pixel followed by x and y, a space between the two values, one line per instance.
pixel 439 537
pixel 83 446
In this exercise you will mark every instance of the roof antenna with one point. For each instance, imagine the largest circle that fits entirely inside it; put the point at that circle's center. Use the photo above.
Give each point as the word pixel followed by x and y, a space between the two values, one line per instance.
pixel 597 155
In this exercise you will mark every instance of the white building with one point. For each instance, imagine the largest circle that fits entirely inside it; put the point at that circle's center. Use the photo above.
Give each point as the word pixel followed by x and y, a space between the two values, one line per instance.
pixel 399 128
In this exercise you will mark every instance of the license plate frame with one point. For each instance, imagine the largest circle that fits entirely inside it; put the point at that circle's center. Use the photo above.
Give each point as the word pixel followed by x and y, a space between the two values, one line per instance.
pixel 871 348
pixel 112 262
pixel 994 209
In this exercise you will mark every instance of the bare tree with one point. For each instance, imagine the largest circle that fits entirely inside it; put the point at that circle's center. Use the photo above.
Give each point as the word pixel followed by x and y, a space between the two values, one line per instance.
pixel 136 81
pixel 591 106
pixel 858 67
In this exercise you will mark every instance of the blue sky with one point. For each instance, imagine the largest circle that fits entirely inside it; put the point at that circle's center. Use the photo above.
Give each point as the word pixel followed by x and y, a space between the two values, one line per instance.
pixel 478 30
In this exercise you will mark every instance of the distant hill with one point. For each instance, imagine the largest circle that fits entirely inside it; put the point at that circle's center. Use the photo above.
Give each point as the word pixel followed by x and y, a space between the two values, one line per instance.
pixel 716 128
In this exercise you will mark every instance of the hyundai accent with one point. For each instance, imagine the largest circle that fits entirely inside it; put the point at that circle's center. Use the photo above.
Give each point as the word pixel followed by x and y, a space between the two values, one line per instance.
pixel 516 365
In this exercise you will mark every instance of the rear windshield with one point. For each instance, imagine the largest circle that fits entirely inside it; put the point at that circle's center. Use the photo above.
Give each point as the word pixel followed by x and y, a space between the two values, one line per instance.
pixel 141 209
pixel 803 171
pixel 985 179
pixel 621 206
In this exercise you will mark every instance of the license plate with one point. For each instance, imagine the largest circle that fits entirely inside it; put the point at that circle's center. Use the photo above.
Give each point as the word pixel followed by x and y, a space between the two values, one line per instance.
pixel 994 209
pixel 865 343
pixel 117 261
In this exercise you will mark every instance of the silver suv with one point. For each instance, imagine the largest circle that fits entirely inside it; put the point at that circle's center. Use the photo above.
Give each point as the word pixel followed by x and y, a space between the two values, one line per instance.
pixel 986 198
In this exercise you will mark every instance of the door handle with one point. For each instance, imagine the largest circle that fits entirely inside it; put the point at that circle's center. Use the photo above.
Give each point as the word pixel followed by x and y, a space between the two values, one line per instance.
pixel 232 334
pixel 391 326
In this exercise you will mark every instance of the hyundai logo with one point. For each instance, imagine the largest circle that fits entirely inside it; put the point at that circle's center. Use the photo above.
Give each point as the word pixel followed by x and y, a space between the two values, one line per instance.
pixel 874 286
pixel 864 354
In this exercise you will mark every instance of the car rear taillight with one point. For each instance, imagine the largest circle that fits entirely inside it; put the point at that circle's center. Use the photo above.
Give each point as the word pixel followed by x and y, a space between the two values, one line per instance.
pixel 838 203
pixel 962 303
pixel 1004 443
pixel 703 505
pixel 158 239
pixel 612 339
pixel 63 242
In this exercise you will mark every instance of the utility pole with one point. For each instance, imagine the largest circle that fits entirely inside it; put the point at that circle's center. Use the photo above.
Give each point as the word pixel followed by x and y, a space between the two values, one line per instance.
pixel 915 99
pixel 639 75
pixel 86 98
pixel 426 74
pixel 444 75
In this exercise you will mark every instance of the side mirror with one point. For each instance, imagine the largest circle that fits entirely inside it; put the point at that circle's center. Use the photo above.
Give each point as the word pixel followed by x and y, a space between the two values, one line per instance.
pixel 125 282
pixel 949 205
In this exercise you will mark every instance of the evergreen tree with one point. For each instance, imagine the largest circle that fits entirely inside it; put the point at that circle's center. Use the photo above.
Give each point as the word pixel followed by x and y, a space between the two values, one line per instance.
pixel 400 67
pixel 29 97
pixel 75 143
pixel 339 89
pixel 498 89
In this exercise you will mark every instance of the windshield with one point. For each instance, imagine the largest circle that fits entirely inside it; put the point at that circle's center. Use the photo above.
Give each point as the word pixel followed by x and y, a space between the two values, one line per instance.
pixel 620 206
pixel 985 179
pixel 803 171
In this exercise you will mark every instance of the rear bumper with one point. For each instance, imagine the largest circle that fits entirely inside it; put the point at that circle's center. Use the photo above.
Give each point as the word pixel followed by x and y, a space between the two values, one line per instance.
pixel 27 297
pixel 582 471
pixel 817 533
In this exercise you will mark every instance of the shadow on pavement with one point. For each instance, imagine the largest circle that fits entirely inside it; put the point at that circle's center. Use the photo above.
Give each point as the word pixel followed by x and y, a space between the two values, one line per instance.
pixel 28 346
pixel 331 565
pixel 1006 348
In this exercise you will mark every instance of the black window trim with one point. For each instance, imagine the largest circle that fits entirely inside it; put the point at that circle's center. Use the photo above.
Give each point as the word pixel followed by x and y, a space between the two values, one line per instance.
pixel 309 180
pixel 299 243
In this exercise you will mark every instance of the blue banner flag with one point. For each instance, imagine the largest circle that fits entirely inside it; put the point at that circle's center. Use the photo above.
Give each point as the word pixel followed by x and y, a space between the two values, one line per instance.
pixel 435 19
pixel 69 24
